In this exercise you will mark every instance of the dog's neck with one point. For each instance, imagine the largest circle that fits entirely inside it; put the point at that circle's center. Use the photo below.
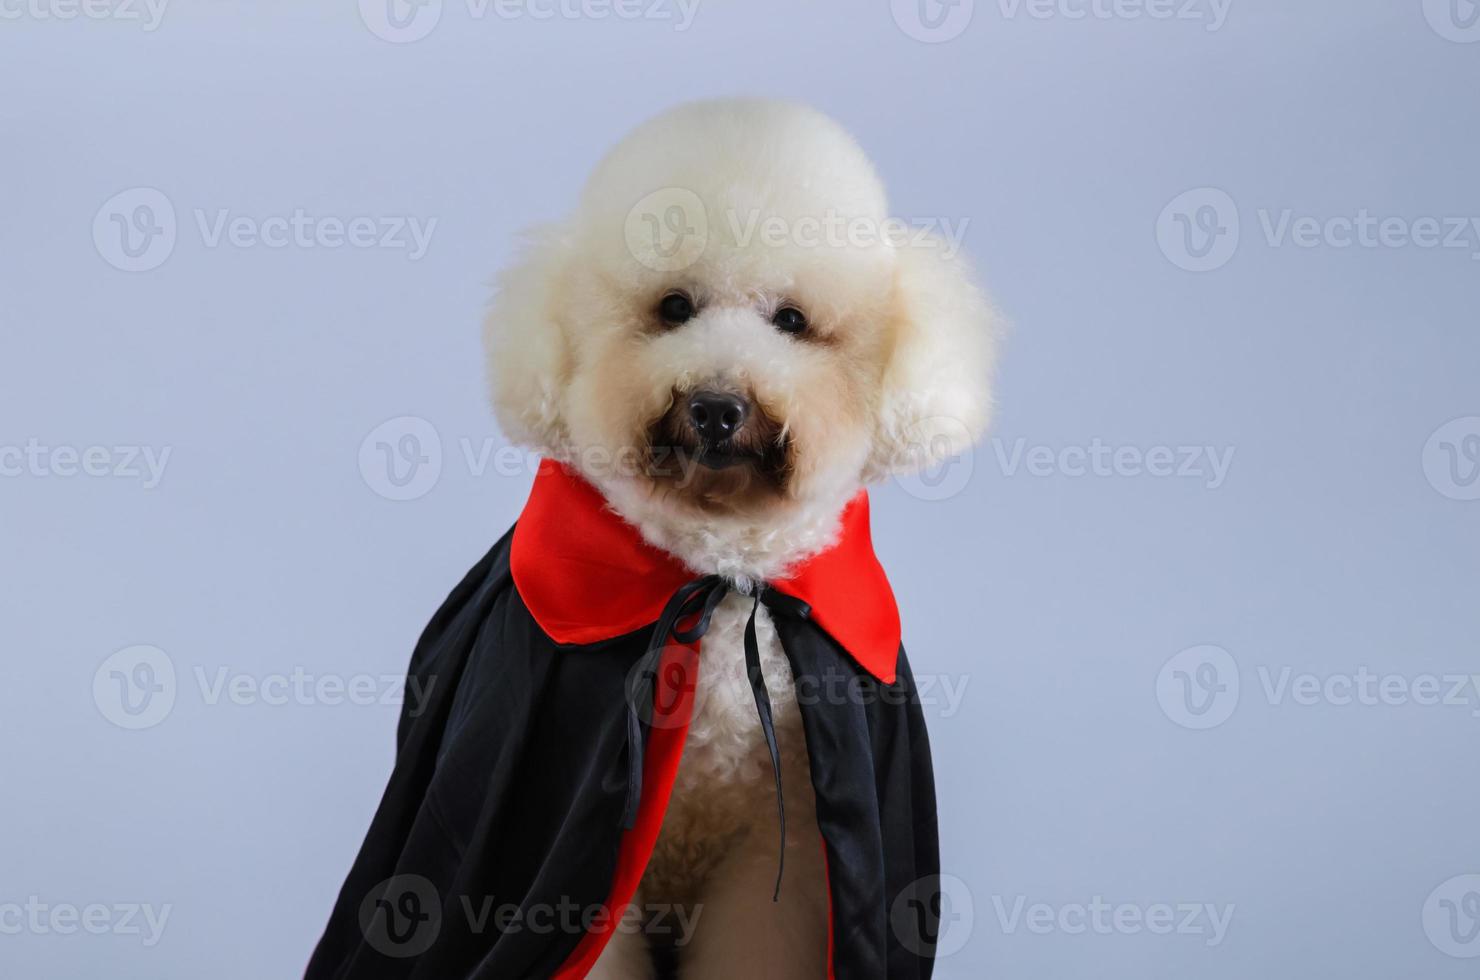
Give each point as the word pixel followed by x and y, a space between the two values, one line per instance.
pixel 740 549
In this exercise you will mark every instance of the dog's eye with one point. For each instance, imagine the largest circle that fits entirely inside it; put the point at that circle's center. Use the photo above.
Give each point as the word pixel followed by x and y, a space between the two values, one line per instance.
pixel 676 308
pixel 790 319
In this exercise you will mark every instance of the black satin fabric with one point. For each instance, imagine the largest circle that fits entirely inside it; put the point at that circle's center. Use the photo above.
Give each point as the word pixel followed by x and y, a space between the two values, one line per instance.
pixel 875 789
pixel 511 776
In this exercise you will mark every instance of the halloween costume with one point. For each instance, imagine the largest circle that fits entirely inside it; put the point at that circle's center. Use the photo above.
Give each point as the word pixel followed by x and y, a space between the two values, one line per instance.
pixel 532 777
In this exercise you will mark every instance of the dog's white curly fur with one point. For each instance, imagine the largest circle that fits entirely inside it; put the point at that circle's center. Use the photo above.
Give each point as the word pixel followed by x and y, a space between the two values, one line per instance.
pixel 894 378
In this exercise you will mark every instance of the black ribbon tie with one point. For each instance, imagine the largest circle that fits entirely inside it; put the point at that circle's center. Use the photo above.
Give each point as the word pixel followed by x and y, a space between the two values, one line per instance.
pixel 700 597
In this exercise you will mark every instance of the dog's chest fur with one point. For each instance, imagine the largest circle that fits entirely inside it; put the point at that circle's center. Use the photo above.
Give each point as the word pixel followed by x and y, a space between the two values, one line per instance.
pixel 724 796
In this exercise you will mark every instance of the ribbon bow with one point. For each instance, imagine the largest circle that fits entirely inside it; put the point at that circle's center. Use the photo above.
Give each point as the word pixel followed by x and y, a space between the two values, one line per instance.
pixel 700 597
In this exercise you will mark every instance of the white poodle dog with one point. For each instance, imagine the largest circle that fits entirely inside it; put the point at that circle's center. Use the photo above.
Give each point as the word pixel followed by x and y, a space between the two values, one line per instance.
pixel 729 337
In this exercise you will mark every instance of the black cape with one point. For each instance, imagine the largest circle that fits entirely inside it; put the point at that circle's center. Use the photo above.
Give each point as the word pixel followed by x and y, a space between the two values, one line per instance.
pixel 495 848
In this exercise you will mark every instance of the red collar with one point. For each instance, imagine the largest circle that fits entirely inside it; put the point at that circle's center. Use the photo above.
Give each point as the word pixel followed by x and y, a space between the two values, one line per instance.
pixel 586 575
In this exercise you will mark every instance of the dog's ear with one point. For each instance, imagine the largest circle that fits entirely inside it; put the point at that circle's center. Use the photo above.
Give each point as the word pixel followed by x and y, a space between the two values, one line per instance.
pixel 937 397
pixel 528 351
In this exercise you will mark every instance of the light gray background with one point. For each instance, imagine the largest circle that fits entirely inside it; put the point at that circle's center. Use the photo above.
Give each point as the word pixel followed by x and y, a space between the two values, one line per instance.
pixel 1058 600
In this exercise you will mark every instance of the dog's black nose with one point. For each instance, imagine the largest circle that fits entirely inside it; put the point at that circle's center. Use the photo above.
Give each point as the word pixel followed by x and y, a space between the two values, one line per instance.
pixel 717 416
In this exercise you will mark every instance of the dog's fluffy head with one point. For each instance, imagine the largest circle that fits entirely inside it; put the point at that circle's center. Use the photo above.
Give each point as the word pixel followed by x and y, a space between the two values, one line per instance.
pixel 743 250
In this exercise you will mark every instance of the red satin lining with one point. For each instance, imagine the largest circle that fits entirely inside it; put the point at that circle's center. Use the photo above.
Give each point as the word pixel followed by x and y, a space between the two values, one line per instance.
pixel 850 595
pixel 586 575
pixel 831 937
pixel 673 704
